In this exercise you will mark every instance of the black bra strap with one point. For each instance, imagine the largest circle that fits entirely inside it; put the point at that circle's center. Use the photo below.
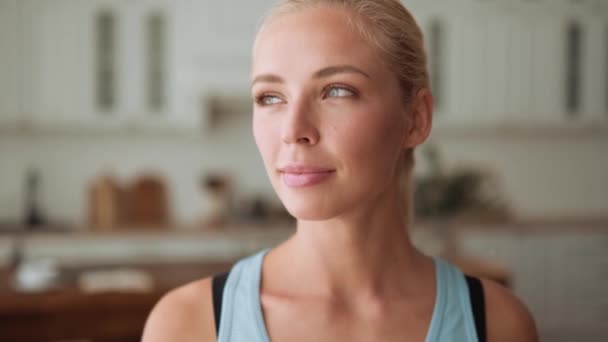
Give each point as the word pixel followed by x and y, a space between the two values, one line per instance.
pixel 478 306
pixel 218 283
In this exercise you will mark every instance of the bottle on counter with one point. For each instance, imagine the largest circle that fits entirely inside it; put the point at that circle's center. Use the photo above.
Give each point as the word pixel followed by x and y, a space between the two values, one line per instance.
pixel 33 217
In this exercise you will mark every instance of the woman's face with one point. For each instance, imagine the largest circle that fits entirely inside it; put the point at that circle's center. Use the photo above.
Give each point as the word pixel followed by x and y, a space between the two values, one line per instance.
pixel 329 119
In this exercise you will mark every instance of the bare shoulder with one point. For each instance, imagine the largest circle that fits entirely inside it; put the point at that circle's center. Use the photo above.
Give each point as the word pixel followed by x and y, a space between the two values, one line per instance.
pixel 183 314
pixel 508 319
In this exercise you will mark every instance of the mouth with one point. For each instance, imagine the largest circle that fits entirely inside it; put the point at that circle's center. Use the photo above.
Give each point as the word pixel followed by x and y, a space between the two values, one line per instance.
pixel 298 176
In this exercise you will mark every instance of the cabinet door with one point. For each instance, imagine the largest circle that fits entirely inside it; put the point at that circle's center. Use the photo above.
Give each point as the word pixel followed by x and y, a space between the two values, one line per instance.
pixel 509 71
pixel 549 69
pixel 474 59
pixel 520 80
pixel 88 62
pixel 149 36
pixel 9 62
pixel 497 67
pixel 595 68
pixel 58 62
pixel 466 62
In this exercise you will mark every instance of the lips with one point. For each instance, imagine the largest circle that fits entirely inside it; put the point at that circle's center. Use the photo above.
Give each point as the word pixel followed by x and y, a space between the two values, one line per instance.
pixel 297 176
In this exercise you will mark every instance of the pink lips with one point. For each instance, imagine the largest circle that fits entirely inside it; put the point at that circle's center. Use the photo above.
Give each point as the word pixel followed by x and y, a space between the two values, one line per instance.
pixel 297 176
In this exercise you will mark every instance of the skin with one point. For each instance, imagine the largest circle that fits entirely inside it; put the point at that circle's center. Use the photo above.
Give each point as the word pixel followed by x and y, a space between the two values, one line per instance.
pixel 323 97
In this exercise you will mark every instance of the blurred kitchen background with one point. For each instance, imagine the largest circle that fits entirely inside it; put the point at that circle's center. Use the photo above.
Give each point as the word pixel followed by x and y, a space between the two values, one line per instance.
pixel 128 167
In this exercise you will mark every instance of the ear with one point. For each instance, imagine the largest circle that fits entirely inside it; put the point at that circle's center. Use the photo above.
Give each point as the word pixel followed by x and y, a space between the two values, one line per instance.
pixel 420 119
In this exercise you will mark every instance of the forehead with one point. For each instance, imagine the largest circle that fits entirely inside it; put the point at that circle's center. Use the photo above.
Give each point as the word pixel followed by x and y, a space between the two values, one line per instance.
pixel 312 38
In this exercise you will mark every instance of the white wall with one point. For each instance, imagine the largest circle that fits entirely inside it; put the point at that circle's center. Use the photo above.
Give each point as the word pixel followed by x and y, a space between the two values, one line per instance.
pixel 556 177
pixel 70 162
pixel 542 175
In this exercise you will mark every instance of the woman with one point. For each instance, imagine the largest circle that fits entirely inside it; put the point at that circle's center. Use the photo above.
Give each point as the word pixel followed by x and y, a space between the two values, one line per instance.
pixel 341 101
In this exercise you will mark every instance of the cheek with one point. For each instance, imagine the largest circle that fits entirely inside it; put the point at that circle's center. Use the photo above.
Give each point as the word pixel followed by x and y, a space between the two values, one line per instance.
pixel 373 139
pixel 266 138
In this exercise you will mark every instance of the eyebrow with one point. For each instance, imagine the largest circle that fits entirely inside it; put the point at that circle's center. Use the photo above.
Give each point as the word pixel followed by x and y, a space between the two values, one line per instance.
pixel 323 73
pixel 339 69
pixel 267 78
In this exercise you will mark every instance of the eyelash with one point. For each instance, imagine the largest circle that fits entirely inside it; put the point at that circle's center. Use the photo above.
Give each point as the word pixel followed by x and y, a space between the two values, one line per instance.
pixel 339 86
pixel 259 100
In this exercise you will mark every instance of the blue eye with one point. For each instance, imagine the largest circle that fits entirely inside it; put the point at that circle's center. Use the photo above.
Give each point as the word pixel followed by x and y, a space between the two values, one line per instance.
pixel 267 100
pixel 338 92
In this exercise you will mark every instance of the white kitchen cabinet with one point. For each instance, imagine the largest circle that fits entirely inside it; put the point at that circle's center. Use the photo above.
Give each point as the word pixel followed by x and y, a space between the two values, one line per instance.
pixel 213 52
pixel 595 69
pixel 58 66
pixel 60 47
pixel 206 49
pixel 549 69
pixel 182 106
pixel 472 60
pixel 506 62
pixel 497 67
pixel 58 74
pixel 9 66
pixel 520 78
pixel 503 61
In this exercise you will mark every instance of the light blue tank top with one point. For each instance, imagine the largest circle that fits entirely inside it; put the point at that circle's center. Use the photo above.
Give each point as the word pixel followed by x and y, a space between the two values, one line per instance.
pixel 242 319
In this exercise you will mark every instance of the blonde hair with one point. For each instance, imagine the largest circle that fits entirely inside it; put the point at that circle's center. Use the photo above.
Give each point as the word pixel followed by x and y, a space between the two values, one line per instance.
pixel 390 27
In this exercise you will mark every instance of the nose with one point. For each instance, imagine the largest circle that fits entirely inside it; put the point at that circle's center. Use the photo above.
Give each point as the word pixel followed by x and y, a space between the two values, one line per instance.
pixel 299 126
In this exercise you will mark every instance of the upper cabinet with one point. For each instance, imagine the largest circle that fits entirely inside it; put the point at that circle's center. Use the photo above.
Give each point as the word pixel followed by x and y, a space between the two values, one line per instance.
pixel 517 62
pixel 56 63
pixel 104 64
pixel 9 66
pixel 162 64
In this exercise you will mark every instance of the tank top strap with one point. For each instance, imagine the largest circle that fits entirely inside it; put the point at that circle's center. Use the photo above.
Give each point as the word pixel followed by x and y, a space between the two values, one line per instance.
pixel 453 317
pixel 241 314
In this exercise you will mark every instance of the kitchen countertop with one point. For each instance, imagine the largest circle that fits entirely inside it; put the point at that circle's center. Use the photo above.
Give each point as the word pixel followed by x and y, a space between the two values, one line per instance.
pixel 489 224
pixel 187 244
pixel 75 248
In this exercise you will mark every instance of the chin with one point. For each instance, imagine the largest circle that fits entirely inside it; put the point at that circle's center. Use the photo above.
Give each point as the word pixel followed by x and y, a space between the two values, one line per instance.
pixel 311 207
pixel 310 213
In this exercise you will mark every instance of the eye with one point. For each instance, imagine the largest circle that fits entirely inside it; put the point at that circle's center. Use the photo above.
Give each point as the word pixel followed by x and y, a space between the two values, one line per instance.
pixel 267 100
pixel 335 91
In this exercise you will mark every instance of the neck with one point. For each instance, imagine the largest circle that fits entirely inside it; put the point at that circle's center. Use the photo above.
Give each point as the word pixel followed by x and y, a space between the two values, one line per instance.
pixel 364 254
